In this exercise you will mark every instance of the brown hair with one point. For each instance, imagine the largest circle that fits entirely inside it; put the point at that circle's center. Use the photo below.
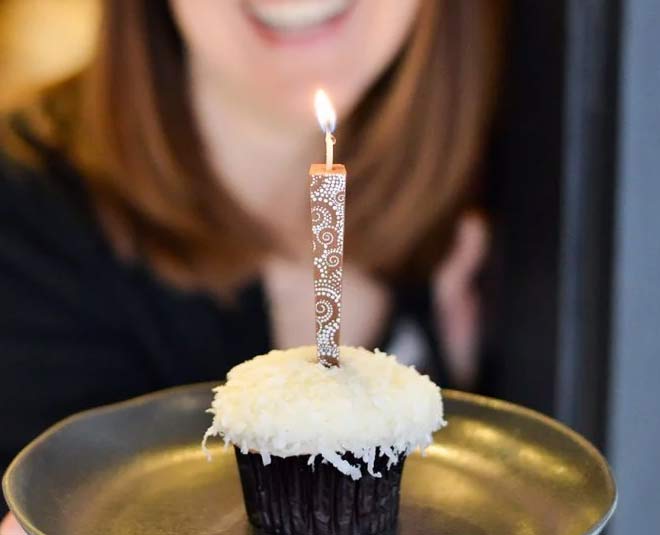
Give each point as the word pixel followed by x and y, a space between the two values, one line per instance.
pixel 421 131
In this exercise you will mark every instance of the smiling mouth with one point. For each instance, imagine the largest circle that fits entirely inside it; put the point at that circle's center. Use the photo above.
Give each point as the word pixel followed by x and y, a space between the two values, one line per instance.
pixel 296 16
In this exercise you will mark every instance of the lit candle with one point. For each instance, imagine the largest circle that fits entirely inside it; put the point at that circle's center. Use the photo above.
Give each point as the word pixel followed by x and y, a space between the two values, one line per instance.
pixel 327 118
pixel 328 200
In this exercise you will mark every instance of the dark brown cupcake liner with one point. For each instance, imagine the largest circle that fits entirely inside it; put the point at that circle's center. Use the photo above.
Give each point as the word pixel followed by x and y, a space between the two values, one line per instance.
pixel 290 497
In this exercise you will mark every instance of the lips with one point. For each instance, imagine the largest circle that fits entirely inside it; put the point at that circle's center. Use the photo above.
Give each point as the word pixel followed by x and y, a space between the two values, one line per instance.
pixel 295 16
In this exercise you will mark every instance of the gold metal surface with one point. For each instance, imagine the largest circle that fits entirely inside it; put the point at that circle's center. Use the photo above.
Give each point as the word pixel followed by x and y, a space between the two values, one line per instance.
pixel 496 469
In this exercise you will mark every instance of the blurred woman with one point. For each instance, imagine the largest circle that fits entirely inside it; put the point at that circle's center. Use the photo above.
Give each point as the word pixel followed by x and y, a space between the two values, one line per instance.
pixel 154 225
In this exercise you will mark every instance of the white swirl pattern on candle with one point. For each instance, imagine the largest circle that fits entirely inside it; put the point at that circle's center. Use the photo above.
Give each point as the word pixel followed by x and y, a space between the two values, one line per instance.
pixel 328 194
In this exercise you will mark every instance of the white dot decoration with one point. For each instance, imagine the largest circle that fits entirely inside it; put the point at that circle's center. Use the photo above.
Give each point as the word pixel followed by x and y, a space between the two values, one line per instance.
pixel 328 195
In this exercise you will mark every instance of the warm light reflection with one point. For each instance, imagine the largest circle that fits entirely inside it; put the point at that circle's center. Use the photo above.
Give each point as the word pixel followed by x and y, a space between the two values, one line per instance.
pixel 529 457
pixel 325 112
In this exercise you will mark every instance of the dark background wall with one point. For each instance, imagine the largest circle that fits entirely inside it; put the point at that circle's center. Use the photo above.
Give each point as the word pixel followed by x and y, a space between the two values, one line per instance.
pixel 634 393
pixel 574 282
pixel 521 282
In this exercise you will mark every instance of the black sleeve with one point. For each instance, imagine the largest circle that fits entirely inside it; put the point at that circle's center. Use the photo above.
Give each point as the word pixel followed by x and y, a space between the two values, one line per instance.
pixel 65 344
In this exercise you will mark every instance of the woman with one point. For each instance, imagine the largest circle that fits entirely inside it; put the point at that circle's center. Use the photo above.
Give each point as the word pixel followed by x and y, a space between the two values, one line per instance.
pixel 153 210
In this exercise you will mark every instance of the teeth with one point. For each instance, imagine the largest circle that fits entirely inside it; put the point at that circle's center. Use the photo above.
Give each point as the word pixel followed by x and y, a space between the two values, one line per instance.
pixel 296 15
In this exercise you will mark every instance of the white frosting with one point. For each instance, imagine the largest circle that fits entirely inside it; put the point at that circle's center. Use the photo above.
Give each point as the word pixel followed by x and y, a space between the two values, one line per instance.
pixel 285 403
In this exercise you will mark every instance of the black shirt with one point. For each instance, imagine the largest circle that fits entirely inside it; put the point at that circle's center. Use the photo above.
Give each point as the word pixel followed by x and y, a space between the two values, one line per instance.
pixel 80 328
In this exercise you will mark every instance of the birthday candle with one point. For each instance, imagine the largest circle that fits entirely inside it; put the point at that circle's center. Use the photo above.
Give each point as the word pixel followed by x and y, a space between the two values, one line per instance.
pixel 328 201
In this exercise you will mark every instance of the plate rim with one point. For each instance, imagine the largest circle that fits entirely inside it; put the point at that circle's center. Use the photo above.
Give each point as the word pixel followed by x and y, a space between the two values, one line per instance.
pixel 455 395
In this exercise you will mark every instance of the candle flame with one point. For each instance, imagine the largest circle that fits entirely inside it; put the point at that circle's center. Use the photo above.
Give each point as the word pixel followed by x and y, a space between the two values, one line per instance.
pixel 325 113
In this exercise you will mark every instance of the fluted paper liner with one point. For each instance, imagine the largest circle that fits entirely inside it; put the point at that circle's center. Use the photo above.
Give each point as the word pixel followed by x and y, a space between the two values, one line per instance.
pixel 290 497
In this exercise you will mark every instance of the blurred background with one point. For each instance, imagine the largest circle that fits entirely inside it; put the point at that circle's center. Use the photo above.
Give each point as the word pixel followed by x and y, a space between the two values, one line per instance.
pixel 576 186
pixel 43 41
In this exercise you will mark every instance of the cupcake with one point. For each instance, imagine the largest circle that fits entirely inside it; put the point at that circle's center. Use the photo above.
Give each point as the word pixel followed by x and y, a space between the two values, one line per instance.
pixel 321 450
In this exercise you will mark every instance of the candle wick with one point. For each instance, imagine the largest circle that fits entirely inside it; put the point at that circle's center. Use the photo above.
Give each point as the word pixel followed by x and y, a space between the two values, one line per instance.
pixel 330 140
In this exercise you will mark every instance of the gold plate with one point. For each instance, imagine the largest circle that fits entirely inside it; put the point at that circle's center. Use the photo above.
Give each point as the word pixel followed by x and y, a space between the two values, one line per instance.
pixel 136 468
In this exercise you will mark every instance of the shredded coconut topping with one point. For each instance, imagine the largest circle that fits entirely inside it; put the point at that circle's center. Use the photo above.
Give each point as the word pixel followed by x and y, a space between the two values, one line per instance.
pixel 285 403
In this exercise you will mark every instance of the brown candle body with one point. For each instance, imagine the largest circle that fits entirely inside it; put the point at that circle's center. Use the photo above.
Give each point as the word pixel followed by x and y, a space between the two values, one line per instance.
pixel 328 201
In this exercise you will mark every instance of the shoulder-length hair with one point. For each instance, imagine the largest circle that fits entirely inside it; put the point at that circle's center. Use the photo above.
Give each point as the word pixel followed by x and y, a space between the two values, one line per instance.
pixel 418 136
